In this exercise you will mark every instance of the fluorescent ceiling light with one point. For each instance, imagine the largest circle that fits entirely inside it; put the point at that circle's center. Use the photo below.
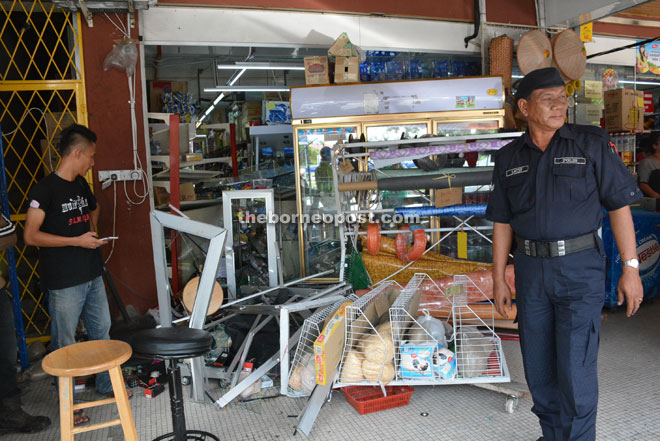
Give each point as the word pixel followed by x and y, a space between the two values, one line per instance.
pixel 209 110
pixel 261 66
pixel 236 77
pixel 218 99
pixel 648 83
pixel 248 89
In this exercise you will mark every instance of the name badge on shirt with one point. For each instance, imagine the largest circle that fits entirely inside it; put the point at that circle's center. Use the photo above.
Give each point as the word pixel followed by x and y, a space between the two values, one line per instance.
pixel 517 170
pixel 571 160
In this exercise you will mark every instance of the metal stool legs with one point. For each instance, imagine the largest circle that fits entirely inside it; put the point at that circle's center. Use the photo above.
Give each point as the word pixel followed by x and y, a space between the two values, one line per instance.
pixel 178 417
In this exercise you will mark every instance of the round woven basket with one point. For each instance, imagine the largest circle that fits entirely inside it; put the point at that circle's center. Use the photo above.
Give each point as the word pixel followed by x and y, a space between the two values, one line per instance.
pixel 190 294
pixel 534 51
pixel 569 54
pixel 501 58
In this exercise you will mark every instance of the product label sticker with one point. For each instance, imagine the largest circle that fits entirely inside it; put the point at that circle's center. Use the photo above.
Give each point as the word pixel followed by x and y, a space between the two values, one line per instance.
pixel 571 160
pixel 466 102
pixel 370 102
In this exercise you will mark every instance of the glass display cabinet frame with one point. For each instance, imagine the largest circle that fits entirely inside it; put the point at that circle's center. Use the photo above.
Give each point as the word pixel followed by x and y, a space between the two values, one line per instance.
pixel 308 196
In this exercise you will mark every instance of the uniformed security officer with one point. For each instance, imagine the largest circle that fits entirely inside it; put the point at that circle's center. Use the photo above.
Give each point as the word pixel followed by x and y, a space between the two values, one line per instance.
pixel 550 186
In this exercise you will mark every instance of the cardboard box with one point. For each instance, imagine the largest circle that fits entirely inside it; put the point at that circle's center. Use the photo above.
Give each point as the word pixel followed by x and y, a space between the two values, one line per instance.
pixel 251 110
pixel 50 155
pixel 192 157
pixel 342 47
pixel 329 346
pixel 187 192
pixel 347 70
pixel 624 110
pixel 445 197
pixel 162 192
pixel 316 70
pixel 276 112
pixel 53 119
pixel 161 196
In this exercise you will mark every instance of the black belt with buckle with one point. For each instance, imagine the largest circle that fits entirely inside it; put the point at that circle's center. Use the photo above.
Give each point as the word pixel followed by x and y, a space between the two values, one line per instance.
pixel 556 248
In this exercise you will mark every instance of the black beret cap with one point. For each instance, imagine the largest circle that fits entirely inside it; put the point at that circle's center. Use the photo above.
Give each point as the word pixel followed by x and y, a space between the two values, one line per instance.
pixel 545 78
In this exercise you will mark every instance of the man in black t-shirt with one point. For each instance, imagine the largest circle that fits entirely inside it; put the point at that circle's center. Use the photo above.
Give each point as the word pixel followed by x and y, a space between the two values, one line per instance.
pixel 61 221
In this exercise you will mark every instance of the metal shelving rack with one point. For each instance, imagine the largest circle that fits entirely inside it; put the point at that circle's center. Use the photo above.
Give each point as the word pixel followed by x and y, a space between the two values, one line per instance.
pixel 365 205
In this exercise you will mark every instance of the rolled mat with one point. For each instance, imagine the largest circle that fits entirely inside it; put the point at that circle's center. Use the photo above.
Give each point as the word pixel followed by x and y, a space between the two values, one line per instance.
pixel 442 180
pixel 383 265
pixel 452 210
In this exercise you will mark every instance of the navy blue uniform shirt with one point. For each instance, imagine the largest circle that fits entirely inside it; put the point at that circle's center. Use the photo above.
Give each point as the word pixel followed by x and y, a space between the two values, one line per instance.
pixel 559 193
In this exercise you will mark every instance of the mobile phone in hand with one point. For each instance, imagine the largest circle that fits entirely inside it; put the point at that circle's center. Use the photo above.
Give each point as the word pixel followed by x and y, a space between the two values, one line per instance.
pixel 110 238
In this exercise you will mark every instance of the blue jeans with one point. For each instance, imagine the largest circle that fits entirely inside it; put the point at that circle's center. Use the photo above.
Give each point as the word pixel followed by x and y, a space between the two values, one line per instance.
pixel 89 302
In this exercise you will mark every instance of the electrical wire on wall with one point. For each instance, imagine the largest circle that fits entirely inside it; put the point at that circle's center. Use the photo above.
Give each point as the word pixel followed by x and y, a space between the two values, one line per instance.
pixel 114 219
pixel 124 57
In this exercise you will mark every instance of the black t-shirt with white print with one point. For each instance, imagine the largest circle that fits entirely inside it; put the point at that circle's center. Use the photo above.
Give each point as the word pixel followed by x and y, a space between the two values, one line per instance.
pixel 67 206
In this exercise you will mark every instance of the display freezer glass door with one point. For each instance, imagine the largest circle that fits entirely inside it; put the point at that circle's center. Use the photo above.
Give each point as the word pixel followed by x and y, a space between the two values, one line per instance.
pixel 467 127
pixel 394 132
pixel 320 239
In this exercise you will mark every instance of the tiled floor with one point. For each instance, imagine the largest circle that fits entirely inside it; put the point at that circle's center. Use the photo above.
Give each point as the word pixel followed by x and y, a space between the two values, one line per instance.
pixel 629 404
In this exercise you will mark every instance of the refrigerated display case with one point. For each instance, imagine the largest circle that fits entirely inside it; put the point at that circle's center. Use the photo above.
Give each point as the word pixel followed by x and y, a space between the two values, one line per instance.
pixel 388 111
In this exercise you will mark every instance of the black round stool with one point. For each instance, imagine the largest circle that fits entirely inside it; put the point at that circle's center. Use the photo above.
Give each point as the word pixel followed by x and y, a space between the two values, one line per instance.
pixel 175 344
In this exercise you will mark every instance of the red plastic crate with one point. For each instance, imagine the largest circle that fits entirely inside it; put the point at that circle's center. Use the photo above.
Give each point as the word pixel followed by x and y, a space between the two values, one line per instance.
pixel 369 399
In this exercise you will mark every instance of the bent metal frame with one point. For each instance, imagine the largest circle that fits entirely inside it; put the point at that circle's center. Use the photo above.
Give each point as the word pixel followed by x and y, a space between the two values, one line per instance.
pixel 216 237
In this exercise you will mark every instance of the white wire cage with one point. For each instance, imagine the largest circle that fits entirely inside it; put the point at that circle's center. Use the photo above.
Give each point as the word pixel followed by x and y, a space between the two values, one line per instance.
pixel 457 346
pixel 302 374
pixel 369 349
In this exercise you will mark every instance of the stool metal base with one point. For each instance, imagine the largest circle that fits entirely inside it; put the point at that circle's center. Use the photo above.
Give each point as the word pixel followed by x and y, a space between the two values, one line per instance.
pixel 190 435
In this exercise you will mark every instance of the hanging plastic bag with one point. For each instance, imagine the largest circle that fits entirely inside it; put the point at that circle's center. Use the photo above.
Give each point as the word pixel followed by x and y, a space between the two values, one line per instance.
pixel 123 56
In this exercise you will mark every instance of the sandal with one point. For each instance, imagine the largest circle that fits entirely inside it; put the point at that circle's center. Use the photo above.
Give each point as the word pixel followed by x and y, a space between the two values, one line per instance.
pixel 80 417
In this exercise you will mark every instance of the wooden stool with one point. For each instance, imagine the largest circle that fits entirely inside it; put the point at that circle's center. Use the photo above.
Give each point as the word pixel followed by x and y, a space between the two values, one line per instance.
pixel 88 358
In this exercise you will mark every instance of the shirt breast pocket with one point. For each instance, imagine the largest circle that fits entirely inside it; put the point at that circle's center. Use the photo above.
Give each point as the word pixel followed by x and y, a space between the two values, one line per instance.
pixel 570 182
pixel 519 192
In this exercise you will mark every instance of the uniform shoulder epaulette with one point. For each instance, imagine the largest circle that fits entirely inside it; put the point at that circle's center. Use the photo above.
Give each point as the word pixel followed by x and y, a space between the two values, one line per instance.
pixel 593 130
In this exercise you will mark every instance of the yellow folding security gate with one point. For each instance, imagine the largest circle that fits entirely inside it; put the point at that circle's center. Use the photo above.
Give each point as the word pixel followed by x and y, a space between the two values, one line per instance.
pixel 42 90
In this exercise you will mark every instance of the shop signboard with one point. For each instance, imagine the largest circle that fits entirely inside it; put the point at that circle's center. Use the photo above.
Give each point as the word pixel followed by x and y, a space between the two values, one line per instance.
pixel 647 233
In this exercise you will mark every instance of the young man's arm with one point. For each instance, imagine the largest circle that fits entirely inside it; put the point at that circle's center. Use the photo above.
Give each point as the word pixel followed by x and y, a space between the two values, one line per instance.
pixel 32 234
pixel 95 218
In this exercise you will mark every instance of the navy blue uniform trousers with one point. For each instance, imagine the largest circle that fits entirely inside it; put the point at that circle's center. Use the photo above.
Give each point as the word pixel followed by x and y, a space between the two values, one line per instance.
pixel 559 304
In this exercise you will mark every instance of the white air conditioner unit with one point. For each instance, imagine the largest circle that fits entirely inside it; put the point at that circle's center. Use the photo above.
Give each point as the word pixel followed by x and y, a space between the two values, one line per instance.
pixel 106 6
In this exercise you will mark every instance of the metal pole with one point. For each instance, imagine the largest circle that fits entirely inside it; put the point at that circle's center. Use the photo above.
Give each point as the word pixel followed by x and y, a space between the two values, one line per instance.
pixel 234 156
pixel 175 196
pixel 427 230
pixel 11 263
pixel 293 282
